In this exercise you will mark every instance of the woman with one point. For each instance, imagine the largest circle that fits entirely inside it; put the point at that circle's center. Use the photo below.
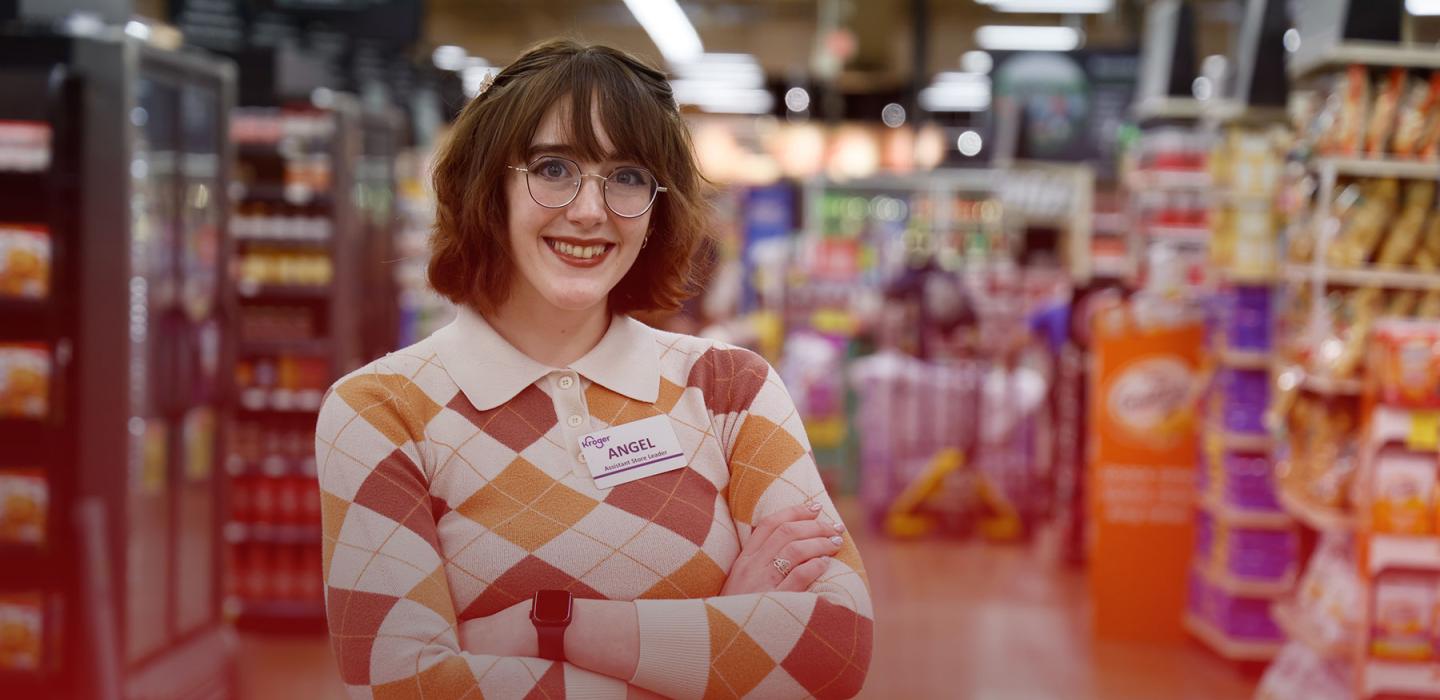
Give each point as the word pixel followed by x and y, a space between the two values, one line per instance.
pixel 548 498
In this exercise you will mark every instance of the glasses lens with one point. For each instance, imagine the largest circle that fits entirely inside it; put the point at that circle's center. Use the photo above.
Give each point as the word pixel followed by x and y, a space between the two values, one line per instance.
pixel 553 181
pixel 629 191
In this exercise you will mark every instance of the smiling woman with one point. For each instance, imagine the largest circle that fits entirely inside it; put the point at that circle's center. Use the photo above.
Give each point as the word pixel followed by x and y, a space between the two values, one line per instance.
pixel 547 497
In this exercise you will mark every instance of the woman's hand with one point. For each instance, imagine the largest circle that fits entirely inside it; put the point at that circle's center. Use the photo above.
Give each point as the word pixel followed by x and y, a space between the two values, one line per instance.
pixel 506 633
pixel 795 535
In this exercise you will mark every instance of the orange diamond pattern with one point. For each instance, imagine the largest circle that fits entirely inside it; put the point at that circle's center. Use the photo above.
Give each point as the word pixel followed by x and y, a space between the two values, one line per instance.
pixel 737 664
pixel 763 451
pixel 526 506
pixel 700 577
pixel 382 400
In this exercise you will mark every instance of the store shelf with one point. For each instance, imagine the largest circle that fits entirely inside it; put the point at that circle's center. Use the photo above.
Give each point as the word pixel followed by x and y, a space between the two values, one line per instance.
pixel 273 465
pixel 256 400
pixel 272 534
pixel 1298 629
pixel 1244 359
pixel 1169 108
pixel 1159 179
pixel 307 292
pixel 300 195
pixel 27 568
pixel 1240 442
pixel 305 346
pixel 1312 515
pixel 1241 278
pixel 1378 167
pixel 1187 234
pixel 1245 517
pixel 1416 679
pixel 1314 58
pixel 1363 277
pixel 1233 649
pixel 1402 552
pixel 1246 588
pixel 301 242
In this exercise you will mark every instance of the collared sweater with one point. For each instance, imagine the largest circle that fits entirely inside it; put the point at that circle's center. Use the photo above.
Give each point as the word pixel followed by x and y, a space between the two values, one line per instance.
pixel 453 487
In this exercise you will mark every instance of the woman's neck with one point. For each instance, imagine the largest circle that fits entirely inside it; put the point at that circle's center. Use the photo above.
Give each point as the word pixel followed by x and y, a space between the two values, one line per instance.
pixel 550 336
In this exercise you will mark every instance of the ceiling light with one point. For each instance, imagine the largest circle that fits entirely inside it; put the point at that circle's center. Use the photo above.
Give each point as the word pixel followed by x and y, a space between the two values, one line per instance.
pixel 138 29
pixel 1292 40
pixel 739 69
pixel 969 143
pixel 448 57
pixel 797 99
pixel 720 98
pixel 1064 7
pixel 976 62
pixel 1003 37
pixel 893 115
pixel 1422 8
pixel 668 27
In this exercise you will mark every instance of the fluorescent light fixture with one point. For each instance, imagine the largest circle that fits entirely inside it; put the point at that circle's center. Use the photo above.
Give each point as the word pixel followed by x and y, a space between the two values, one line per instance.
pixel 448 57
pixel 1062 7
pixel 668 27
pixel 976 62
pixel 1006 37
pixel 736 69
pixel 713 97
pixel 1292 40
pixel 1422 8
pixel 957 92
pixel 969 143
pixel 893 115
pixel 138 29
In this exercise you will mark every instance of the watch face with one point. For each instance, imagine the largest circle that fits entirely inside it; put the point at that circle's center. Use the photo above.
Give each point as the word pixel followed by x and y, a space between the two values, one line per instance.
pixel 552 607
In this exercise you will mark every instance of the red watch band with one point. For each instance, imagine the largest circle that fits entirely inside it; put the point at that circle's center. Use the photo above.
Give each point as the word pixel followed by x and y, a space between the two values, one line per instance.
pixel 550 613
pixel 552 642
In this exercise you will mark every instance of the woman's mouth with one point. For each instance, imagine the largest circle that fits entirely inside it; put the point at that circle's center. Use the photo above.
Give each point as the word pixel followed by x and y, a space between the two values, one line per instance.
pixel 580 254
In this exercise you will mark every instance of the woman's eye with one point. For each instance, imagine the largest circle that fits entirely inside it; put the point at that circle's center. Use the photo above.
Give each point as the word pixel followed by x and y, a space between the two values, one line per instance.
pixel 553 169
pixel 631 177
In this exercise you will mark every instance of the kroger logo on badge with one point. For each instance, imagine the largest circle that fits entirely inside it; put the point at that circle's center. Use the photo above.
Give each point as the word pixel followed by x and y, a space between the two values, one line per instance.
pixel 1149 397
pixel 632 451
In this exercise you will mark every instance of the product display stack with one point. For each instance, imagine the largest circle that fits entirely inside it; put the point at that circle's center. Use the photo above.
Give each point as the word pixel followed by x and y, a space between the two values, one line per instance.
pixel 297 235
pixel 1361 259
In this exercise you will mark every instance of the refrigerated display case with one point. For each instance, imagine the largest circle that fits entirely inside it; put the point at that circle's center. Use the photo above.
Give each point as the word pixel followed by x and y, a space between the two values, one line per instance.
pixel 113 350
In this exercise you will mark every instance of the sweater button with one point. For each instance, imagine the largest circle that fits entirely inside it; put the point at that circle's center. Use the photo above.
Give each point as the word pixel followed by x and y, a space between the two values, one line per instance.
pixel 566 382
pixel 575 421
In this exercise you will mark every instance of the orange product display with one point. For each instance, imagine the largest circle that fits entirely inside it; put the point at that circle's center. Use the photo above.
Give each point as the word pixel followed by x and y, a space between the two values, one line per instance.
pixel 24 500
pixel 22 624
pixel 24 261
pixel 1142 477
pixel 24 380
pixel 1405 363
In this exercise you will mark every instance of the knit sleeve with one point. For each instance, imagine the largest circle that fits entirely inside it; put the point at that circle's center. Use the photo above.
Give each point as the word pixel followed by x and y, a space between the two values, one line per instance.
pixel 772 645
pixel 391 615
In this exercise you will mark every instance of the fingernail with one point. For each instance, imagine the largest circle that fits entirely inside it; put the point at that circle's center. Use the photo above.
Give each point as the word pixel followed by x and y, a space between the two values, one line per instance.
pixel 839 527
pixel 815 507
pixel 837 540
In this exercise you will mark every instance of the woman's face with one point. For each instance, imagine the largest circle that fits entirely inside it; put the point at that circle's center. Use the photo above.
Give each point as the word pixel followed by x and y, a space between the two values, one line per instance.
pixel 571 257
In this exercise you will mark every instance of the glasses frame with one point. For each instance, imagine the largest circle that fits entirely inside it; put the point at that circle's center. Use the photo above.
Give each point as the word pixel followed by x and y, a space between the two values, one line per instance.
pixel 580 184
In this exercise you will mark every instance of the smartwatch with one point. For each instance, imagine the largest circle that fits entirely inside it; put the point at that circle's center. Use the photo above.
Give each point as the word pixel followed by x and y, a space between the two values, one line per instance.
pixel 550 613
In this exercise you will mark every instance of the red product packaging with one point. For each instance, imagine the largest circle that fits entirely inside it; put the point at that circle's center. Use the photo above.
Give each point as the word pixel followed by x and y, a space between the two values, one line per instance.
pixel 260 573
pixel 264 499
pixel 284 572
pixel 288 496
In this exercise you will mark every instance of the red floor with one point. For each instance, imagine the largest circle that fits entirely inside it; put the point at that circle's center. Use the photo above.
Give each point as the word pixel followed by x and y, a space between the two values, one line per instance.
pixel 954 620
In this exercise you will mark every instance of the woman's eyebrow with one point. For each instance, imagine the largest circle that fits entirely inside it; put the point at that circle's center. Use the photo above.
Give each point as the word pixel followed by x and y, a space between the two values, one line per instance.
pixel 562 149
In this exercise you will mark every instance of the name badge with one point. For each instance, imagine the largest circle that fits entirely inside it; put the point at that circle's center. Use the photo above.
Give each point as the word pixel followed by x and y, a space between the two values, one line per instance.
pixel 632 451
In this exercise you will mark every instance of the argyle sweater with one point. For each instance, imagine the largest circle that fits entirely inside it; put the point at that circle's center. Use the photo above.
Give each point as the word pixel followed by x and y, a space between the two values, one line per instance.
pixel 436 512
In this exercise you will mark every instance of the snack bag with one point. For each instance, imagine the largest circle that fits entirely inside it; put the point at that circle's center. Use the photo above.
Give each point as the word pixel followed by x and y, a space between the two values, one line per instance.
pixel 1404 491
pixel 1404 615
pixel 24 261
pixel 21 628
pixel 1364 225
pixel 1345 111
pixel 1382 117
pixel 1417 113
pixel 24 500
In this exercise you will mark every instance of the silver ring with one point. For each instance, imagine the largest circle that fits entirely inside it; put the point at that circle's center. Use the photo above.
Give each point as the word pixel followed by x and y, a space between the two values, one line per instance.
pixel 782 565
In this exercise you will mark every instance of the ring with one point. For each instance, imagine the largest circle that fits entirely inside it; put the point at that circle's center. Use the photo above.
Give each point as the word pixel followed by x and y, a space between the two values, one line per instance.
pixel 782 565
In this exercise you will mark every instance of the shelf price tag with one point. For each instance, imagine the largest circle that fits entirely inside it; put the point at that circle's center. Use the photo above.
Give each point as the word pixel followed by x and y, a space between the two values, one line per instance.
pixel 1424 431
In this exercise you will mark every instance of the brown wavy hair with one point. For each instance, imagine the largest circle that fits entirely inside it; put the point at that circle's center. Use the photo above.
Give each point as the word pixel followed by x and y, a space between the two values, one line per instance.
pixel 471 260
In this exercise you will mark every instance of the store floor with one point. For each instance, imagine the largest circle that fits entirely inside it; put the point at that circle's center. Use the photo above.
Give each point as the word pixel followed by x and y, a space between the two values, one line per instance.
pixel 955 620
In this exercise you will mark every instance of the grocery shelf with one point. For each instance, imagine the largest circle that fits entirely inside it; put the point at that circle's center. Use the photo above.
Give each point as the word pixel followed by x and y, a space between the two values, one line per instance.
pixel 1298 629
pixel 1401 677
pixel 1317 57
pixel 282 194
pixel 301 346
pixel 1363 277
pixel 1169 108
pixel 1245 359
pixel 1161 179
pixel 1233 649
pixel 303 242
pixel 281 400
pixel 1402 552
pixel 1247 588
pixel 1243 278
pixel 1245 517
pixel 1378 167
pixel 282 291
pixel 1238 441
pixel 1312 515
pixel 236 532
pixel 1196 234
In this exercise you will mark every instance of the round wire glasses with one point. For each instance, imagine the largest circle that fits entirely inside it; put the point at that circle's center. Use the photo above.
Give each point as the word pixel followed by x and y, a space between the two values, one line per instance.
pixel 554 182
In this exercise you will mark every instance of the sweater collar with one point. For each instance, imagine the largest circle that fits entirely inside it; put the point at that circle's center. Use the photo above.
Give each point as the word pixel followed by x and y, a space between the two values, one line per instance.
pixel 491 371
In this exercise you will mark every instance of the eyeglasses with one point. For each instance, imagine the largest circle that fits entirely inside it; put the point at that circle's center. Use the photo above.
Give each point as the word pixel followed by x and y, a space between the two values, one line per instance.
pixel 554 182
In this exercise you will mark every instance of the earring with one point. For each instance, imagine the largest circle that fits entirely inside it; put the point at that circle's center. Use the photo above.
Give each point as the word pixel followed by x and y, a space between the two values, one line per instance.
pixel 644 242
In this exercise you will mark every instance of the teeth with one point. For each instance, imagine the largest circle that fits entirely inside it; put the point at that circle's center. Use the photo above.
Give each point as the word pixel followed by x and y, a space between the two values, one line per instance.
pixel 575 251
